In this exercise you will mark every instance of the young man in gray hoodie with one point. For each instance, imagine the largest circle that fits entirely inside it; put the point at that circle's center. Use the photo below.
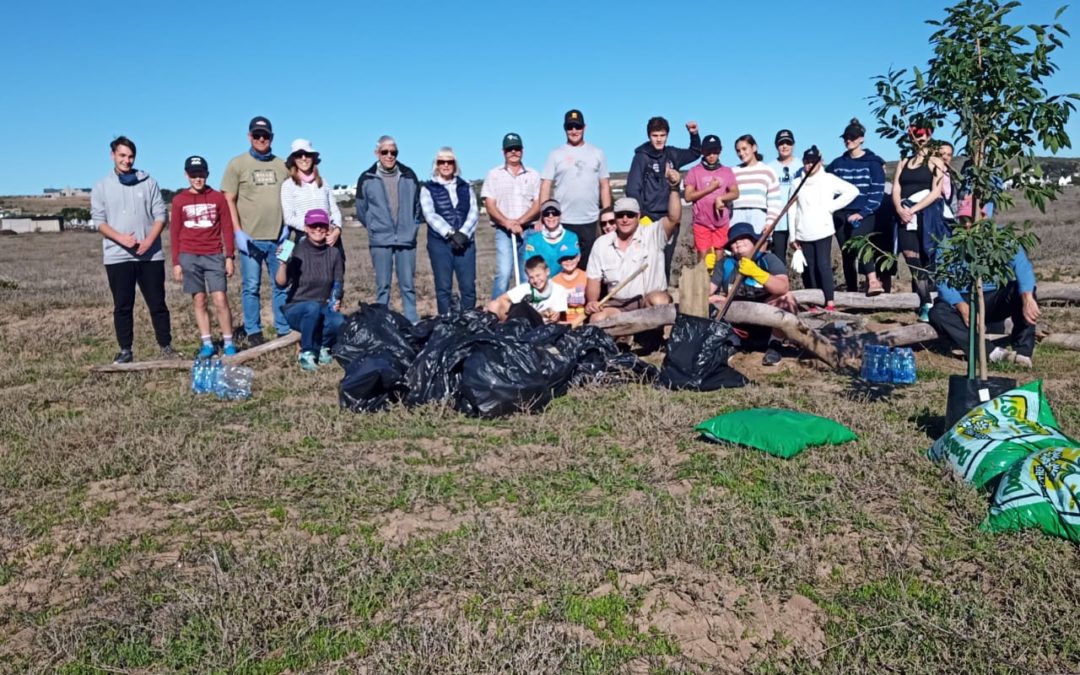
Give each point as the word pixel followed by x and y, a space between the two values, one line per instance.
pixel 127 209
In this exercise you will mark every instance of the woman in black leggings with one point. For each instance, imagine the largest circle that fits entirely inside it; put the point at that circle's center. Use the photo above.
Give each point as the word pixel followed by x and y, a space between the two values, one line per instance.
pixel 916 186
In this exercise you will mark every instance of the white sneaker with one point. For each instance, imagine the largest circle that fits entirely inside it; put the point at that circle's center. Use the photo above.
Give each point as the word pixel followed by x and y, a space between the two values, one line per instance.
pixel 1022 360
pixel 1001 354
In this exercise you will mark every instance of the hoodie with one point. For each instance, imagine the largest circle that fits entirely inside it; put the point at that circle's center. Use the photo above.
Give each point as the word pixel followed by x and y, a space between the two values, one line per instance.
pixel 128 209
pixel 200 223
pixel 866 173
pixel 646 181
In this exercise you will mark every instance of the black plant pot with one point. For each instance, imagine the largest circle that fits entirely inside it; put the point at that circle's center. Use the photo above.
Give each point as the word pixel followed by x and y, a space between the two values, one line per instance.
pixel 965 394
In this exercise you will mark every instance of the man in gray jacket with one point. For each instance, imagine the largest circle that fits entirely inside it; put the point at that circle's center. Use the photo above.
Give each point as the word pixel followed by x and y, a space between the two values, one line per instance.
pixel 127 208
pixel 388 205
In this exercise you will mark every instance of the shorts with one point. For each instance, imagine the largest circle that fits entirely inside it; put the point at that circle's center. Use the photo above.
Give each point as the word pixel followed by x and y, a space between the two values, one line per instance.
pixel 626 304
pixel 203 273
pixel 706 238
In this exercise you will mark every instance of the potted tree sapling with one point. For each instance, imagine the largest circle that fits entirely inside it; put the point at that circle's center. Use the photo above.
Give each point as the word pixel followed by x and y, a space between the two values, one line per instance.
pixel 986 80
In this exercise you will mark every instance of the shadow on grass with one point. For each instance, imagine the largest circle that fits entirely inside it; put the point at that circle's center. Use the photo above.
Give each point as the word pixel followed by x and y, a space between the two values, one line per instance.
pixel 929 423
pixel 859 389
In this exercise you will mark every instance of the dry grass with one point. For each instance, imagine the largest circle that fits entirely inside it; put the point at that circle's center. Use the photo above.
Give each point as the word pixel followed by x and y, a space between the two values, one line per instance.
pixel 144 530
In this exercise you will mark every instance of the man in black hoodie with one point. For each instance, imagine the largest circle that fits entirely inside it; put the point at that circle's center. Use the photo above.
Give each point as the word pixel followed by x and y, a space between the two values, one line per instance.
pixel 646 182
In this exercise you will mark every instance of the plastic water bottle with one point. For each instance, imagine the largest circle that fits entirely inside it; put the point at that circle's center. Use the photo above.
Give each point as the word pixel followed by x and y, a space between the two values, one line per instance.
pixel 903 370
pixel 335 294
pixel 236 383
pixel 195 373
pixel 875 363
pixel 214 377
pixel 204 376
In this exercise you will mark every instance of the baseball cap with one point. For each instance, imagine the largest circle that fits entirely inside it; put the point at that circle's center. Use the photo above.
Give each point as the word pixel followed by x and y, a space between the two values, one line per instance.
pixel 812 154
pixel 550 204
pixel 784 136
pixel 260 123
pixel 511 140
pixel 710 143
pixel 740 231
pixel 569 251
pixel 573 117
pixel 196 165
pixel 626 205
pixel 853 130
pixel 316 217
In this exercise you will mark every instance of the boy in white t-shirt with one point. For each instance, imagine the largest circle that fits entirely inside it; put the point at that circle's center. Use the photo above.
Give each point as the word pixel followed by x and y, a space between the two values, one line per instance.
pixel 547 298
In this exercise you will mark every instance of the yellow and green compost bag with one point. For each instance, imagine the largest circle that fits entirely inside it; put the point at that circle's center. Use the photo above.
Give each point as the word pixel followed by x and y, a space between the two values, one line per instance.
pixel 999 433
pixel 1040 491
pixel 784 433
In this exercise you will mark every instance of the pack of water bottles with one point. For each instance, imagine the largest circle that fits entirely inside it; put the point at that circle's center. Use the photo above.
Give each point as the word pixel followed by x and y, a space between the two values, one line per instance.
pixel 230 383
pixel 883 365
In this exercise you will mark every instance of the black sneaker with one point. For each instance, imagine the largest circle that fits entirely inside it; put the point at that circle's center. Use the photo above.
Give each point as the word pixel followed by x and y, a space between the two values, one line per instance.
pixel 255 339
pixel 168 353
pixel 771 358
pixel 124 356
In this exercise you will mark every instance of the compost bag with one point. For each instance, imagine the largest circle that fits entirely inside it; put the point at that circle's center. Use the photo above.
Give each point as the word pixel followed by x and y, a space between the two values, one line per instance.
pixel 783 433
pixel 999 433
pixel 1040 491
pixel 697 355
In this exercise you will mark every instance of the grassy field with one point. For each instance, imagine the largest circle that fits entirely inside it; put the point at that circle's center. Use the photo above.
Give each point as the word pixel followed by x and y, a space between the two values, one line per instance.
pixel 143 530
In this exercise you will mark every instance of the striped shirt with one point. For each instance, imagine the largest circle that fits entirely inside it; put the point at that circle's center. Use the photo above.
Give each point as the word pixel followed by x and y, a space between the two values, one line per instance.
pixel 297 200
pixel 787 181
pixel 759 188
pixel 513 195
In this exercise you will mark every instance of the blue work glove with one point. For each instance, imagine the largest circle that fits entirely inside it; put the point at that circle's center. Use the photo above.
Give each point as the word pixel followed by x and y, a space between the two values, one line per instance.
pixel 242 240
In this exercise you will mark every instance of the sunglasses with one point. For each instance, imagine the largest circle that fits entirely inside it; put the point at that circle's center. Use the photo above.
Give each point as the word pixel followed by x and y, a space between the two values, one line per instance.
pixel 261 136
pixel 305 155
pixel 551 212
pixel 392 153
pixel 784 143
pixel 574 127
pixel 626 214
pixel 609 221
pixel 445 162
pixel 509 150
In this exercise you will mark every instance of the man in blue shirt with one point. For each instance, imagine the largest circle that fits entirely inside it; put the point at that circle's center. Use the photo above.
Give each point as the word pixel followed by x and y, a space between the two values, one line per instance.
pixel 951 312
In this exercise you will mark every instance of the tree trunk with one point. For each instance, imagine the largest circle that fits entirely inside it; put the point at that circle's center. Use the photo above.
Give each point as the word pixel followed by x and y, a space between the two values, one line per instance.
pixel 981 335
pixel 184 364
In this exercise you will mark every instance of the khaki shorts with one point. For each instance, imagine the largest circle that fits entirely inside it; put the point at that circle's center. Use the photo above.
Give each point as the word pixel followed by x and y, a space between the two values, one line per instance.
pixel 626 305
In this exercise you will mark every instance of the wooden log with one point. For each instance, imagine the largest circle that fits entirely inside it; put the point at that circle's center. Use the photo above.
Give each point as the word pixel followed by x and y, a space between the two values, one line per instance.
pixel 638 320
pixel 844 300
pixel 1058 291
pixel 791 326
pixel 185 364
pixel 1063 340
pixel 694 290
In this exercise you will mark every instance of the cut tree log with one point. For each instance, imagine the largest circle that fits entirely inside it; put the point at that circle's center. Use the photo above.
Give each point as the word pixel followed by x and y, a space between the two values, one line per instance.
pixel 694 290
pixel 1063 340
pixel 185 364
pixel 1055 292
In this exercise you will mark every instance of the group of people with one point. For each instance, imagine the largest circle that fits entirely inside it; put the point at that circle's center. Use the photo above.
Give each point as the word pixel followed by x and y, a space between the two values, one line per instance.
pixel 561 242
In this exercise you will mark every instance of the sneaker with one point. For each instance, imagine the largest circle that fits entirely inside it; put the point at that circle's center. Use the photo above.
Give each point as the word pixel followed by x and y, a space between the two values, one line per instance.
pixel 230 349
pixel 830 307
pixel 206 351
pixel 924 314
pixel 168 353
pixel 771 357
pixel 874 288
pixel 124 356
pixel 307 360
pixel 325 357
pixel 1022 360
pixel 255 339
pixel 1000 354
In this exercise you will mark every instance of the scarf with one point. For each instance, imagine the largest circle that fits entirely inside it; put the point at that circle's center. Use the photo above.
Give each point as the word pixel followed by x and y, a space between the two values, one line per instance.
pixel 261 157
pixel 552 236
pixel 307 177
pixel 711 167
pixel 129 178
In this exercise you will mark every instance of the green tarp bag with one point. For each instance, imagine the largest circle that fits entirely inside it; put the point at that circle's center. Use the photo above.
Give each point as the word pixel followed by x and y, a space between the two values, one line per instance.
pixel 999 433
pixel 1041 491
pixel 784 433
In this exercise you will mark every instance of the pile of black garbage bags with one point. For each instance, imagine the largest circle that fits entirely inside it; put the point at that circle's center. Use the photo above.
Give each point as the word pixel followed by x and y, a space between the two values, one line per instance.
pixel 485 368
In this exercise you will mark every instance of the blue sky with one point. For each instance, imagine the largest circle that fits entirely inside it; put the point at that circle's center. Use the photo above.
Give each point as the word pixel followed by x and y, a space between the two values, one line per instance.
pixel 186 81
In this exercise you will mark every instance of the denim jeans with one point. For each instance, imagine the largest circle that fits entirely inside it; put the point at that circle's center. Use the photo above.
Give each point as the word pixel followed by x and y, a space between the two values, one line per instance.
pixel 504 262
pixel 445 265
pixel 251 262
pixel 317 323
pixel 384 259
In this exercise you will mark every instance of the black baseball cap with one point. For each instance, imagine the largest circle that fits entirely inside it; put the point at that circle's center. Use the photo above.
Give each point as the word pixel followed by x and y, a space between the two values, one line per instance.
pixel 710 143
pixel 812 154
pixel 260 123
pixel 196 165
pixel 511 140
pixel 573 117
pixel 784 136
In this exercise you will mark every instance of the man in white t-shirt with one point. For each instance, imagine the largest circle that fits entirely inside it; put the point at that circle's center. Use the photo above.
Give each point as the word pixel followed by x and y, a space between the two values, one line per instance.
pixel 617 255
pixel 576 175
pixel 547 298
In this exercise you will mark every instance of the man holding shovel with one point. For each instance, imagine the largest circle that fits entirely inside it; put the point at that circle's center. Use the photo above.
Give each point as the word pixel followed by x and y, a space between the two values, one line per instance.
pixel 511 197
pixel 633 254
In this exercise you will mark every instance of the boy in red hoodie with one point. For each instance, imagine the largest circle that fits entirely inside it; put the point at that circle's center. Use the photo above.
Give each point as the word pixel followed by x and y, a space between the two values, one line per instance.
pixel 200 228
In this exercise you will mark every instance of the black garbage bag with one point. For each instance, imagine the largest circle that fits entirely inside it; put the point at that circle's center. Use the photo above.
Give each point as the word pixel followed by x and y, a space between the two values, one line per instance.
pixel 371 330
pixel 697 356
pixel 501 376
pixel 372 384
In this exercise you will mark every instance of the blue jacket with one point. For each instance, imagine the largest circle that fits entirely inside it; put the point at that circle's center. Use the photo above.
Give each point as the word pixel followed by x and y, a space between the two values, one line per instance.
pixel 646 181
pixel 373 208
pixel 1021 267
pixel 866 173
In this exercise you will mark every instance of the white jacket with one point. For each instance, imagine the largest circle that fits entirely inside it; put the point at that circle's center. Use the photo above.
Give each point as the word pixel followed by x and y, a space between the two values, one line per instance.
pixel 822 194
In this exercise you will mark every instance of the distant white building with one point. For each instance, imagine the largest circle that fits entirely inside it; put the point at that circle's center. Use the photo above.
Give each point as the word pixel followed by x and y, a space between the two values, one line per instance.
pixel 66 192
pixel 28 224
pixel 343 192
pixel 1065 180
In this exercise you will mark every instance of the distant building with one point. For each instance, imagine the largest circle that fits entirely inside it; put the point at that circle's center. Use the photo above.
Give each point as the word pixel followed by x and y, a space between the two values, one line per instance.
pixel 28 224
pixel 343 192
pixel 66 192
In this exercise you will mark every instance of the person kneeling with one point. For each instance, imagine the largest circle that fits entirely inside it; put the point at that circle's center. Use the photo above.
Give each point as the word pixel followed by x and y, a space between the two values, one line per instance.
pixel 539 297
pixel 314 276
pixel 765 281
